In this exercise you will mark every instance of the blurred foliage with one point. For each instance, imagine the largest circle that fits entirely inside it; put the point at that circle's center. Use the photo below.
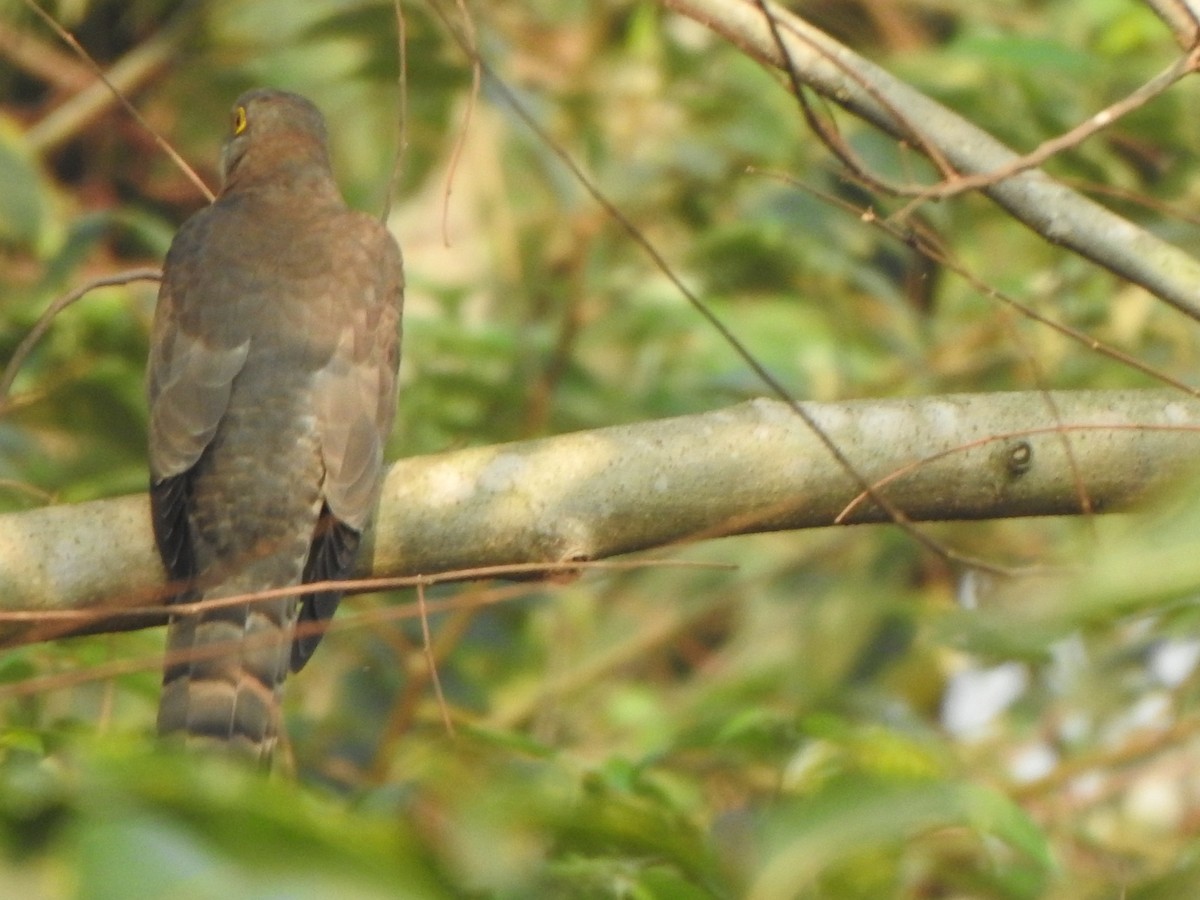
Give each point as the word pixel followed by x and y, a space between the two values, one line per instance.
pixel 787 729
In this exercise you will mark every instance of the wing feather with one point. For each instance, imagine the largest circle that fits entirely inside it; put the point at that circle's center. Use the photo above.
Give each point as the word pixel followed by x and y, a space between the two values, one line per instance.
pixel 189 380
pixel 354 401
pixel 355 392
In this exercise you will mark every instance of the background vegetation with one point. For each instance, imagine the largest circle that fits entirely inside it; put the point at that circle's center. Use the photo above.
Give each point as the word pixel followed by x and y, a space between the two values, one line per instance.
pixel 832 718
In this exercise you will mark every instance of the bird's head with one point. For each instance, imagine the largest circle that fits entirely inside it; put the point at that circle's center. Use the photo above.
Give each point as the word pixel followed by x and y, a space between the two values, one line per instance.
pixel 274 135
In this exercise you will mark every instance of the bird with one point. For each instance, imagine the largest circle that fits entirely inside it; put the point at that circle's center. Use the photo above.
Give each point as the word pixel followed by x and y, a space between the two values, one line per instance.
pixel 272 387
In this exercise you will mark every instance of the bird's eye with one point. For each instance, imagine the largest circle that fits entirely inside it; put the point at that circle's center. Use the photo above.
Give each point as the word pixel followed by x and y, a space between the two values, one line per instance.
pixel 239 120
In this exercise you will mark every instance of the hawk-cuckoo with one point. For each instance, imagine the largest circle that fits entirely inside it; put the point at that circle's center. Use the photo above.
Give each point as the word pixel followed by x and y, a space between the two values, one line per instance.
pixel 272 387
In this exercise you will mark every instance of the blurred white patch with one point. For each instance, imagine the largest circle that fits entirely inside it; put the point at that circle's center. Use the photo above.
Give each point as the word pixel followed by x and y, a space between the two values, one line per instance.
pixel 1151 712
pixel 1155 802
pixel 974 697
pixel 1173 660
pixel 1087 787
pixel 968 589
pixel 1075 726
pixel 1033 761
pixel 1068 660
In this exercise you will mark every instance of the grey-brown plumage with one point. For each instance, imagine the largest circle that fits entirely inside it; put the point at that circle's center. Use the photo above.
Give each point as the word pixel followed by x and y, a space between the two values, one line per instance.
pixel 272 386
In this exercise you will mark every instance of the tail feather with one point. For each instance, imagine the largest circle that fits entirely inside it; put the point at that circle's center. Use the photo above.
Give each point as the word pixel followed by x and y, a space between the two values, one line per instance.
pixel 225 671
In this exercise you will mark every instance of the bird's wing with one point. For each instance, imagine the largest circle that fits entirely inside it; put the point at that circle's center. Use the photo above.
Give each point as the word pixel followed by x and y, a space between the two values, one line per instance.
pixel 189 379
pixel 355 403
pixel 190 384
pixel 195 354
pixel 355 392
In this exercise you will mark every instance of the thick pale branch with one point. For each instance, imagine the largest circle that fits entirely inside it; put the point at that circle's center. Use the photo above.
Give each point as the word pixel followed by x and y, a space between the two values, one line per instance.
pixel 751 467
pixel 1048 207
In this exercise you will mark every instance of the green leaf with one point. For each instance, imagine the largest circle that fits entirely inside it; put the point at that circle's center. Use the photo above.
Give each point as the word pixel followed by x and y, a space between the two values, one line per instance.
pixel 22 200
pixel 808 836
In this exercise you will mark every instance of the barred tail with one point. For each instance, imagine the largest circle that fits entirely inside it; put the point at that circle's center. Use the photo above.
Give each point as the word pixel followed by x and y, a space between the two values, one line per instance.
pixel 224 672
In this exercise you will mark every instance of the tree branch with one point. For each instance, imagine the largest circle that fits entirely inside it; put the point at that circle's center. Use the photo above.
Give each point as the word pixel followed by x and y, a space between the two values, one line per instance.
pixel 749 468
pixel 1180 17
pixel 1050 208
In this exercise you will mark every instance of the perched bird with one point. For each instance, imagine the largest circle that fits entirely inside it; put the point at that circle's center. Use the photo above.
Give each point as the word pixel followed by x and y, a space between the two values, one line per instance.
pixel 272 388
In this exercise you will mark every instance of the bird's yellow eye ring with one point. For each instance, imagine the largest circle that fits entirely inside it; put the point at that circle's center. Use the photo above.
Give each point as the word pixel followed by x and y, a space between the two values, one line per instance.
pixel 239 120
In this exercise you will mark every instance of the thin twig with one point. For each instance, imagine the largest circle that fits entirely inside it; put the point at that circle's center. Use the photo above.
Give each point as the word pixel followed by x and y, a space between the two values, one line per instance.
pixel 434 678
pixel 925 244
pixel 460 139
pixel 44 321
pixel 471 600
pixel 997 438
pixel 1152 89
pixel 350 587
pixel 401 112
pixel 42 60
pixel 1181 18
pixel 162 44
pixel 1046 206
pixel 11 484
pixel 827 131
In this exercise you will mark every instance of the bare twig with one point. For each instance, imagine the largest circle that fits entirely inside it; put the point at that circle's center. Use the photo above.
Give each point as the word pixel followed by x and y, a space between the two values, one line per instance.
pixel 431 662
pixel 44 321
pixel 953 182
pixel 827 130
pixel 39 495
pixel 401 111
pixel 56 625
pixel 1181 17
pixel 1153 88
pixel 1010 437
pixel 927 244
pixel 460 139
pixel 29 687
pixel 41 60
pixel 134 68
pixel 1048 207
